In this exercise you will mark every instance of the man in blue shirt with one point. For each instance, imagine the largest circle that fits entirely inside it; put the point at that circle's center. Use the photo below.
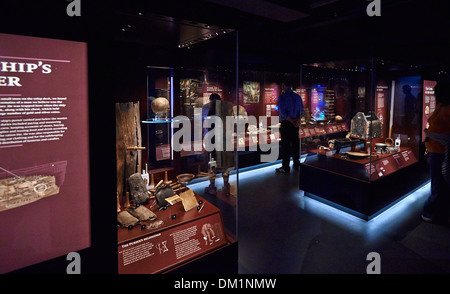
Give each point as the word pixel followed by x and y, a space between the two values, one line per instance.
pixel 290 109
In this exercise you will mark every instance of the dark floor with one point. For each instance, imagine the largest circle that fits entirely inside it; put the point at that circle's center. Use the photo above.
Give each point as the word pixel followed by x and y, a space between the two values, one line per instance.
pixel 280 231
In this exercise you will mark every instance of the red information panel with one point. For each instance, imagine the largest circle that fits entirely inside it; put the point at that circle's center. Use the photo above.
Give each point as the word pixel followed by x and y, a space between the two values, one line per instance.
pixel 302 93
pixel 157 252
pixel 429 103
pixel 44 164
pixel 210 89
pixel 381 105
pixel 322 130
pixel 271 93
pixel 390 164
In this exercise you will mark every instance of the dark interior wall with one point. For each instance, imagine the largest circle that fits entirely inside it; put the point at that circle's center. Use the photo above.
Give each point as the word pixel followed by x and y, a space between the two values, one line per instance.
pixel 130 82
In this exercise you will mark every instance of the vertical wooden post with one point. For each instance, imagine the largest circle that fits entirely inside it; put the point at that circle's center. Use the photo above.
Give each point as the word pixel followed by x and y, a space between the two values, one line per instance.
pixel 128 133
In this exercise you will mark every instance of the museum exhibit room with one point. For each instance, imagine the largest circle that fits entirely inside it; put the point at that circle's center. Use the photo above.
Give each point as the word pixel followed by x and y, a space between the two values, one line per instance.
pixel 224 137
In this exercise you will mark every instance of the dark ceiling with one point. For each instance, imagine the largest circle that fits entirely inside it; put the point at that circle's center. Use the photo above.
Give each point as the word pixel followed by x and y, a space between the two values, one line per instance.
pixel 271 31
pixel 410 31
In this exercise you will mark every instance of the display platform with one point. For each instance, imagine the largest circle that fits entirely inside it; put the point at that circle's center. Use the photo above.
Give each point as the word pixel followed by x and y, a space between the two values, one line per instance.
pixel 363 187
pixel 182 237
pixel 363 169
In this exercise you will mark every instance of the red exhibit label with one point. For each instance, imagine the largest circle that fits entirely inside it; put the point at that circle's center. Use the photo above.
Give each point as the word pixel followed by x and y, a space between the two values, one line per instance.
pixel 211 89
pixel 429 104
pixel 381 105
pixel 271 93
pixel 162 250
pixel 302 93
pixel 316 131
pixel 390 164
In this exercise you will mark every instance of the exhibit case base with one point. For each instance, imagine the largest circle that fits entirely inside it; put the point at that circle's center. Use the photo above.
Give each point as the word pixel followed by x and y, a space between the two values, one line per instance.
pixel 362 198
pixel 181 239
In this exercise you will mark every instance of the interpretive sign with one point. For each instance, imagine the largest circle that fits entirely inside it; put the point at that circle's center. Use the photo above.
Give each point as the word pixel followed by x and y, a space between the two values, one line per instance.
pixel 183 236
pixel 44 166
pixel 429 104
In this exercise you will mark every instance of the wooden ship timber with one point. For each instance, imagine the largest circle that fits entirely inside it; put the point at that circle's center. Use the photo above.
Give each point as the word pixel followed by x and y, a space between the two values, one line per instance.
pixel 24 186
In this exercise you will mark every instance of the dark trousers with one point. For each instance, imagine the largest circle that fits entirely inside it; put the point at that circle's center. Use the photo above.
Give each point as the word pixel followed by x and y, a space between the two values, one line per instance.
pixel 437 206
pixel 290 144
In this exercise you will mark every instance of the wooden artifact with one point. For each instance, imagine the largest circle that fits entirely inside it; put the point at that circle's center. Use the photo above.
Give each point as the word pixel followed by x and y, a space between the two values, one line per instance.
pixel 128 142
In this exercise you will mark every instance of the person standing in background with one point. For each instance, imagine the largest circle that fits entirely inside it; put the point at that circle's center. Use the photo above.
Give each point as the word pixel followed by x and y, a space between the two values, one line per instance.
pixel 437 207
pixel 290 109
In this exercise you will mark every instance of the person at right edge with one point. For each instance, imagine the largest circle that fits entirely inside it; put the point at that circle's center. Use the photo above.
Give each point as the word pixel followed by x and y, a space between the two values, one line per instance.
pixel 290 109
pixel 437 207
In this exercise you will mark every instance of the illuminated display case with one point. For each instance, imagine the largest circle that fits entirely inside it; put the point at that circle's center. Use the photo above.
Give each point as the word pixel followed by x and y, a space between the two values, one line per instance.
pixel 172 187
pixel 370 138
pixel 333 95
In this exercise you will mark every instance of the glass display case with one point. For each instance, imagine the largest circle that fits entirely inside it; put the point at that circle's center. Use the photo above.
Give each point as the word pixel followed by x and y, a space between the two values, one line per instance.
pixel 158 124
pixel 328 106
pixel 207 94
pixel 362 134
pixel 176 184
pixel 176 174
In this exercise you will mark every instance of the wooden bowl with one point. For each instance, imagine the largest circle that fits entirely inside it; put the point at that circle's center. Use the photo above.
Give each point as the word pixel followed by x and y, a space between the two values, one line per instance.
pixel 185 178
